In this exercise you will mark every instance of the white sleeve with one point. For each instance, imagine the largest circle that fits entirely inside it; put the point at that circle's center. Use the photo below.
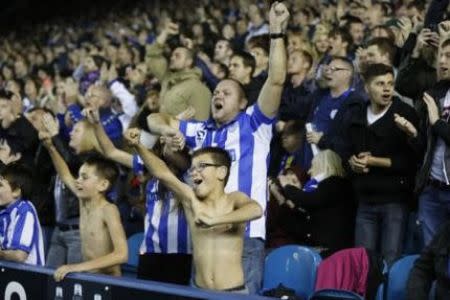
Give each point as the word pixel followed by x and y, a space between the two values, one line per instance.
pixel 126 99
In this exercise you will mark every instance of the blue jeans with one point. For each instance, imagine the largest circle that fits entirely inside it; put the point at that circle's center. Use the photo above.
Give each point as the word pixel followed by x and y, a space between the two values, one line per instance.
pixel 65 248
pixel 253 262
pixel 381 228
pixel 434 210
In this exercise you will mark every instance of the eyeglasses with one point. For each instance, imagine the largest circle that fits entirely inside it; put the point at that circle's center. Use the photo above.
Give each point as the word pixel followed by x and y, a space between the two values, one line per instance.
pixel 334 69
pixel 201 166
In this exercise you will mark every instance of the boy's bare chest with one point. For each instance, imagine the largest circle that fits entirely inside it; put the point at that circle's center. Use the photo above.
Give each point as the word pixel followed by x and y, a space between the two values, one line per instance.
pixel 92 225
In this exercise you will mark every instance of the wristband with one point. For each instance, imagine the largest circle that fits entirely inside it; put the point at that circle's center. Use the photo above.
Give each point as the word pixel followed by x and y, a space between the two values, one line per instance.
pixel 277 35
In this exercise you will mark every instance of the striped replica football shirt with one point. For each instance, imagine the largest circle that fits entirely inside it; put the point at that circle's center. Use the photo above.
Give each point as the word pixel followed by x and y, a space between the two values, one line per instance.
pixel 165 225
pixel 247 140
pixel 20 230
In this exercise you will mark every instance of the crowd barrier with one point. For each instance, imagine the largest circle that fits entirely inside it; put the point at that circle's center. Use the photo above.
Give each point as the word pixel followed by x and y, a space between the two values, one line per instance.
pixel 26 282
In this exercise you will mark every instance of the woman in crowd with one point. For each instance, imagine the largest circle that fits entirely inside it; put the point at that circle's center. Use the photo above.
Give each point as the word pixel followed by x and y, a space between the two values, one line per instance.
pixel 320 214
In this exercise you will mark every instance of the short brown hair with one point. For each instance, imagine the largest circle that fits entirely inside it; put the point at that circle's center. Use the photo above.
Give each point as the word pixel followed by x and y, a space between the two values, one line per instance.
pixel 219 156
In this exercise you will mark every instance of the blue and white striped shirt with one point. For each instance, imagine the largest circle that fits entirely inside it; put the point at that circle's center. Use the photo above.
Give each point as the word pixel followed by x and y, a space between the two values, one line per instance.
pixel 247 140
pixel 20 230
pixel 165 225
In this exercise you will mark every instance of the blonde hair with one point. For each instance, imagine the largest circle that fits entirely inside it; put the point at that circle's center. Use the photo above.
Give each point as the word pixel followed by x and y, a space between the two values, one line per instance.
pixel 89 141
pixel 328 163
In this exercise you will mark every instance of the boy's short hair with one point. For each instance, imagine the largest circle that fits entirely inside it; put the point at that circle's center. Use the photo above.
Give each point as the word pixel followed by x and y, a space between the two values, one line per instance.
pixel 445 43
pixel 219 156
pixel 294 127
pixel 260 41
pixel 376 70
pixel 104 168
pixel 344 34
pixel 247 60
pixel 385 45
pixel 18 177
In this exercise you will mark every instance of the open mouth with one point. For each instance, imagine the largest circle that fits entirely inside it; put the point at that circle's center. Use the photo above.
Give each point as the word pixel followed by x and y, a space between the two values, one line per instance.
pixel 197 181
pixel 444 70
pixel 218 105
pixel 386 97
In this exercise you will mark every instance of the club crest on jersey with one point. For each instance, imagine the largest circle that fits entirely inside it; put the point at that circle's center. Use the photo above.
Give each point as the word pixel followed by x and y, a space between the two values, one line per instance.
pixel 200 136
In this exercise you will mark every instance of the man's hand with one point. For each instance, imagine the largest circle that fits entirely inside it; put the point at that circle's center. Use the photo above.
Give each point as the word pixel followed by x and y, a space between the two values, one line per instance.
pixel 314 137
pixel 405 125
pixel 171 28
pixel 406 26
pixel 112 73
pixel 51 125
pixel 62 271
pixel 174 139
pixel 187 114
pixel 132 136
pixel 359 164
pixel 278 17
pixel 426 38
pixel 444 29
pixel 92 115
pixel 6 157
pixel 289 179
pixel 433 111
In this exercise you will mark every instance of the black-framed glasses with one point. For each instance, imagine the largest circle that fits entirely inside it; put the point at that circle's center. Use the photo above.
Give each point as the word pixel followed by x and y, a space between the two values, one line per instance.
pixel 201 166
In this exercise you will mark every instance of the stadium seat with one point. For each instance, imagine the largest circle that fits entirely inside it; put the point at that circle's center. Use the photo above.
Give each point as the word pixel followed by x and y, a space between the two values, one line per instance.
pixel 134 243
pixel 292 266
pixel 397 277
pixel 331 294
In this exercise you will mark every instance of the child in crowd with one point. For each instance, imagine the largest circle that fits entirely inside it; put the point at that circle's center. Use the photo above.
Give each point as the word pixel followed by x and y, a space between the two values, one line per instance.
pixel 20 231
pixel 103 241
pixel 216 219
pixel 165 252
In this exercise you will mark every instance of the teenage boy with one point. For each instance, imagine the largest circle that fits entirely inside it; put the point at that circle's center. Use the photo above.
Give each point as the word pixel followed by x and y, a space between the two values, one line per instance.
pixel 383 150
pixel 20 231
pixel 103 241
pixel 216 219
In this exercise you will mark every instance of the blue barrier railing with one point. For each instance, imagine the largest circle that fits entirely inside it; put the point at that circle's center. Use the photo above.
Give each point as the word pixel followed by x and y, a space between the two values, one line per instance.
pixel 20 281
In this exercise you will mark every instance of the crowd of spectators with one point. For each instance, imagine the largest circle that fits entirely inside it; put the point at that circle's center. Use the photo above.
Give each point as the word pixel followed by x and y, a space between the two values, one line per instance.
pixel 357 136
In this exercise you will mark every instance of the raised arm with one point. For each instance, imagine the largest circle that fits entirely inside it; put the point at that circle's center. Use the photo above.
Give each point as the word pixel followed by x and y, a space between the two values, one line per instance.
pixel 154 58
pixel 161 123
pixel 159 169
pixel 60 165
pixel 118 256
pixel 108 148
pixel 270 95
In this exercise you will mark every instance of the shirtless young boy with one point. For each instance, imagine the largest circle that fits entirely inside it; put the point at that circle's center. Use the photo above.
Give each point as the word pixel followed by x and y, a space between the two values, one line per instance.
pixel 103 241
pixel 216 219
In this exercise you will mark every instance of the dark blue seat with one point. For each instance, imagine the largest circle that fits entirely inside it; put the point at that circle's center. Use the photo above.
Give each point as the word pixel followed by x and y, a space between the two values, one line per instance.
pixel 331 294
pixel 129 269
pixel 397 277
pixel 293 266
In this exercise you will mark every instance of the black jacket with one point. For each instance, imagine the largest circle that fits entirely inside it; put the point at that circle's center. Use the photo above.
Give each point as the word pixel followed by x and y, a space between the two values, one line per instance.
pixel 324 217
pixel 430 133
pixel 433 264
pixel 383 139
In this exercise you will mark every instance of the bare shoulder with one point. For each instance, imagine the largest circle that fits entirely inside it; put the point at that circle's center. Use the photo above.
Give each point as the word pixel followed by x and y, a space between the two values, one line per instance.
pixel 238 197
pixel 110 210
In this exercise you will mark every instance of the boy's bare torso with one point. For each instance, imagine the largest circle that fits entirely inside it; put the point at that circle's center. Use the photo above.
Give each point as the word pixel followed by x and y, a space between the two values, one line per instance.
pixel 217 250
pixel 95 238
